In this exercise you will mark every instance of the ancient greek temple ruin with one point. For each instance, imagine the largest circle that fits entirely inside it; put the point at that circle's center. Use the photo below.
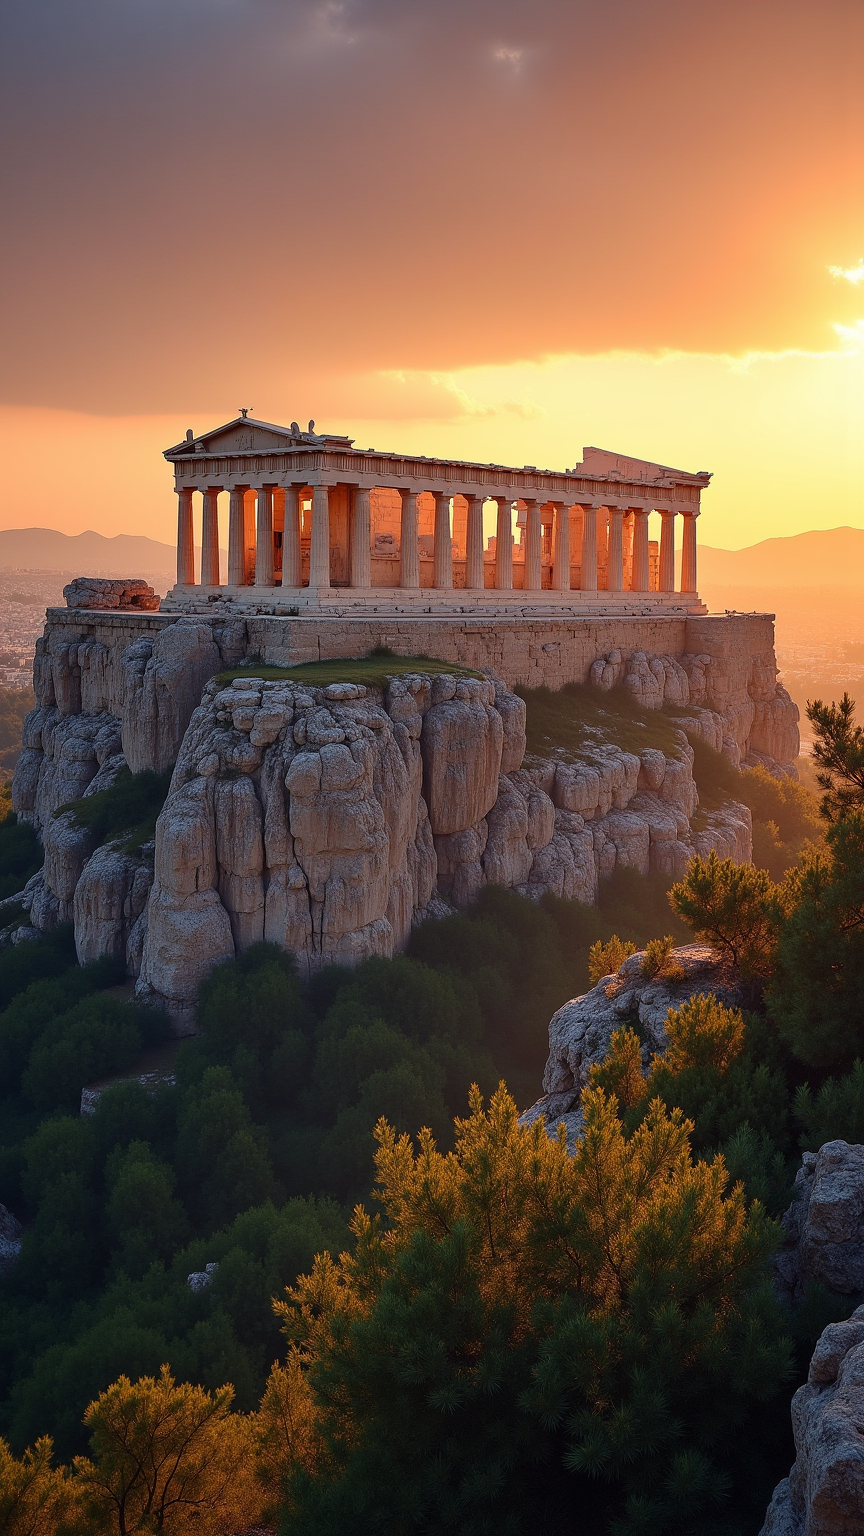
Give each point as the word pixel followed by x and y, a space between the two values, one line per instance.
pixel 315 523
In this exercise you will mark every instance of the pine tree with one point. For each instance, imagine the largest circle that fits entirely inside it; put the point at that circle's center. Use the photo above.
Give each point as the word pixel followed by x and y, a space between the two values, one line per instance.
pixel 520 1334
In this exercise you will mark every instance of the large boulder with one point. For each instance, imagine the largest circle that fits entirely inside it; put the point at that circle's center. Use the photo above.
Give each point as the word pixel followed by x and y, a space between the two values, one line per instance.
pixel 824 1225
pixel 95 592
pixel 824 1493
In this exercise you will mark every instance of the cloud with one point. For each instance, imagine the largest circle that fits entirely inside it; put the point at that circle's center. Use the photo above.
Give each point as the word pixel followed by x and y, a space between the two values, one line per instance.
pixel 512 58
pixel 852 275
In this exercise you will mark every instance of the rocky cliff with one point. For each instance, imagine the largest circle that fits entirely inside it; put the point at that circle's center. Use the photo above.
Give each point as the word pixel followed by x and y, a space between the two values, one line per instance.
pixel 329 819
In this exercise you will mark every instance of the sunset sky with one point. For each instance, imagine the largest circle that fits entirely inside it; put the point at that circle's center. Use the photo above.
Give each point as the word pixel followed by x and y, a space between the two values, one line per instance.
pixel 497 230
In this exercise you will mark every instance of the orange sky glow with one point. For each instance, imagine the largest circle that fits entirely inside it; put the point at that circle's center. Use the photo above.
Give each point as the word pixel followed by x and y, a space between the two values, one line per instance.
pixel 499 230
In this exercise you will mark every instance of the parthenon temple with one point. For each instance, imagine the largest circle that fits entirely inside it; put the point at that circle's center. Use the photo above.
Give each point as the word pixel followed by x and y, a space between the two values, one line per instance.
pixel 315 523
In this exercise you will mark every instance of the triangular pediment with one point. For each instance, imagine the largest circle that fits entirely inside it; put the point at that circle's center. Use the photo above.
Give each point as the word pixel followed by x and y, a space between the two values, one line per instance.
pixel 602 464
pixel 248 435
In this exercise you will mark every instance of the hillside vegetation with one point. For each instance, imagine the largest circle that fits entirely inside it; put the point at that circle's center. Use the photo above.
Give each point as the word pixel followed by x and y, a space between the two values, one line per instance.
pixel 499 1333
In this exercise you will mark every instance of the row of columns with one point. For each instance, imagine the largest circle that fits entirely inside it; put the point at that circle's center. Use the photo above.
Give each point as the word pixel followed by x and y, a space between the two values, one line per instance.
pixel 360 567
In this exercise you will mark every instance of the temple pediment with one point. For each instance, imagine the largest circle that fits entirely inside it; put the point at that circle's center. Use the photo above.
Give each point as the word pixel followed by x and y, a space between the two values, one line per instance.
pixel 601 464
pixel 247 435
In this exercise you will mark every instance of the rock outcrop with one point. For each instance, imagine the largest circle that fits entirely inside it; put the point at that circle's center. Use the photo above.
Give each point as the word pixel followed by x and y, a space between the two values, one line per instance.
pixel 750 719
pixel 581 1031
pixel 824 1225
pixel 331 819
pixel 824 1493
pixel 95 592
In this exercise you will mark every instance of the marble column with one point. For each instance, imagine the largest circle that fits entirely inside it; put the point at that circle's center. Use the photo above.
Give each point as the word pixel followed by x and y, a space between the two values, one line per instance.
pixel 264 538
pixel 409 556
pixel 615 572
pixel 504 545
pixel 561 547
pixel 185 539
pixel 237 536
pixel 641 581
pixel 319 552
pixel 588 574
pixel 474 544
pixel 361 537
pixel 442 578
pixel 533 565
pixel 667 551
pixel 291 566
pixel 210 537
pixel 688 553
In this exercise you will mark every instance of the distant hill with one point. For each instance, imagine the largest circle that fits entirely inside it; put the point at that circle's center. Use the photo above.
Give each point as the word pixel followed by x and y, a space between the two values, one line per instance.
pixel 87 554
pixel 831 557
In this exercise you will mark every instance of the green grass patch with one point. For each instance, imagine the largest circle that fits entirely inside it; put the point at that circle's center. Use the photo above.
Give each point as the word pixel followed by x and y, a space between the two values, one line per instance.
pixel 571 724
pixel 373 670
pixel 127 810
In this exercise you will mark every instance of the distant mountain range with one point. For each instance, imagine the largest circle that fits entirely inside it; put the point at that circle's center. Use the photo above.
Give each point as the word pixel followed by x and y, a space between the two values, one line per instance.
pixel 86 554
pixel 833 557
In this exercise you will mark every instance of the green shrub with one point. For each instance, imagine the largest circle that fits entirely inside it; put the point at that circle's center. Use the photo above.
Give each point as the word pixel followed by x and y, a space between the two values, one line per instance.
pixel 606 959
pixel 20 856
pixel 833 1112
pixel 657 956
pixel 35 1009
pixel 22 964
pixel 100 1035
pixel 733 907
pixel 818 978
pixel 128 808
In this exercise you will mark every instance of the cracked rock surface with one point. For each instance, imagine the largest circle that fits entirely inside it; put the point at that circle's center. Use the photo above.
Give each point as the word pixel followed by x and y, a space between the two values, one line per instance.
pixel 824 1492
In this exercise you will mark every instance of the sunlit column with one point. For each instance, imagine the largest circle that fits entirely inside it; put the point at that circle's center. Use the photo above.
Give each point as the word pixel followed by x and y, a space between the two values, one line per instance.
pixel 588 563
pixel 688 553
pixel 641 579
pixel 667 551
pixel 409 555
pixel 442 577
pixel 210 537
pixel 533 567
pixel 474 544
pixel 504 545
pixel 185 539
pixel 264 538
pixel 319 551
pixel 361 537
pixel 561 547
pixel 236 536
pixel 615 577
pixel 291 567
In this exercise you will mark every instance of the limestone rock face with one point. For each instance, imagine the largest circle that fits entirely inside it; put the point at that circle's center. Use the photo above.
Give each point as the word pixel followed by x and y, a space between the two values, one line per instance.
pixel 162 690
pixel 462 744
pixel 109 900
pixel 775 728
pixel 63 754
pixel 734 700
pixel 581 1031
pixel 824 1493
pixel 824 1225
